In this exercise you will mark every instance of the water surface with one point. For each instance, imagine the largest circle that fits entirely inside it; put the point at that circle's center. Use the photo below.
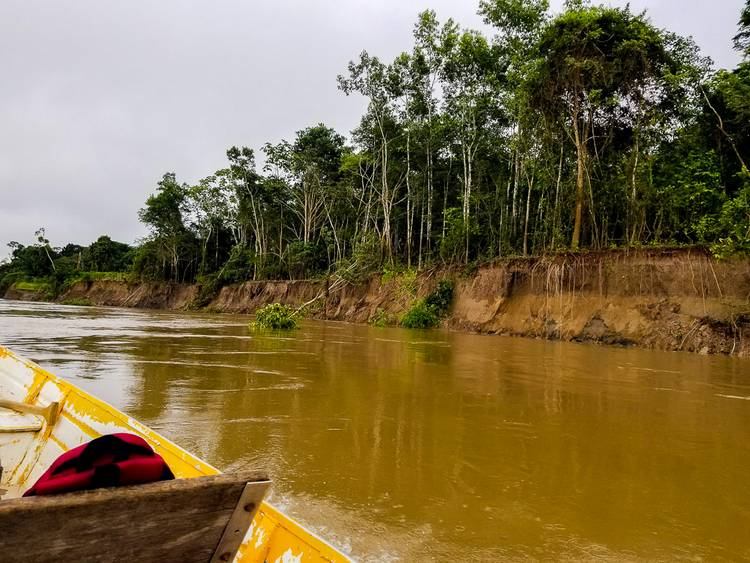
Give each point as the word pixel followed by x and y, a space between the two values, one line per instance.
pixel 408 445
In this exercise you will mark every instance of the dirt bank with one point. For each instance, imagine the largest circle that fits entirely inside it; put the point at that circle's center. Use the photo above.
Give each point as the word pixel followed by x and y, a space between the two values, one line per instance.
pixel 668 300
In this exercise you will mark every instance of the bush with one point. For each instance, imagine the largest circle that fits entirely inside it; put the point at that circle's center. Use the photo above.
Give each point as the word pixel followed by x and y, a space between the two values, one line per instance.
pixel 420 315
pixel 275 317
pixel 440 300
pixel 381 319
pixel 427 312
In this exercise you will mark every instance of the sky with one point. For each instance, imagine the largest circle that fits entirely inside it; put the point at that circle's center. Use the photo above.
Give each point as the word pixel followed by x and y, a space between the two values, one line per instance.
pixel 99 98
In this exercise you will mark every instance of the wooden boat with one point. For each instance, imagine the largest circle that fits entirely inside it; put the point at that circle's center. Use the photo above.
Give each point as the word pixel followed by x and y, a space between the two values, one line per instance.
pixel 200 513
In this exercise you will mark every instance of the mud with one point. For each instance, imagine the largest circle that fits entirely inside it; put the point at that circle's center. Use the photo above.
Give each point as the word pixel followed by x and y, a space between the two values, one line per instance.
pixel 668 300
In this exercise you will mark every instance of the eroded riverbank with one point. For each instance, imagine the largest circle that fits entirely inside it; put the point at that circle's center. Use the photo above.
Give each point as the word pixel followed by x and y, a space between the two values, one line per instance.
pixel 680 300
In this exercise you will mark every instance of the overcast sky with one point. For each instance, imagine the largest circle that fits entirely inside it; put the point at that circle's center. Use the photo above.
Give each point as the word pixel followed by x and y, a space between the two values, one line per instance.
pixel 99 98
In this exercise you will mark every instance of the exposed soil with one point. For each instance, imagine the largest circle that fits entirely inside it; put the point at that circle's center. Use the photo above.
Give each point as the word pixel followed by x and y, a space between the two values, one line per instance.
pixel 668 300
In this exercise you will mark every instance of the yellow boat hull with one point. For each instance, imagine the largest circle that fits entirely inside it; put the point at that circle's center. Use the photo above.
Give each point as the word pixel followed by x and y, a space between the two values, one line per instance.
pixel 25 454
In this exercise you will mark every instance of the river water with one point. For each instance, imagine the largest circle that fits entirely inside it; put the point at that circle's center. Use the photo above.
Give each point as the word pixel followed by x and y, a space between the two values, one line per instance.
pixel 409 445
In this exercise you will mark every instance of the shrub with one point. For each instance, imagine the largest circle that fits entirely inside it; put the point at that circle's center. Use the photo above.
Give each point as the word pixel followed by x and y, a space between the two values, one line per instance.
pixel 381 319
pixel 440 299
pixel 420 315
pixel 427 312
pixel 275 317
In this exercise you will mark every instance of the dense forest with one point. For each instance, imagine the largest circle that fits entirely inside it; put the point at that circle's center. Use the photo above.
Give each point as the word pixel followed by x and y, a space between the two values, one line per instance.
pixel 585 129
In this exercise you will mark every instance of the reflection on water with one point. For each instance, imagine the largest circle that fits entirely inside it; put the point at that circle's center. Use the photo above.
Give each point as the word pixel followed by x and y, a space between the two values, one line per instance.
pixel 413 445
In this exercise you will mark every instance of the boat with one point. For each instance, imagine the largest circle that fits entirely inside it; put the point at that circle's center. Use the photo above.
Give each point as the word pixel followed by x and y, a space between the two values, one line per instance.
pixel 43 416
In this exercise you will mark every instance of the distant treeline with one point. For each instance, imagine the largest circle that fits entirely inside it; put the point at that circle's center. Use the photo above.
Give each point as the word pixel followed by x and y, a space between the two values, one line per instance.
pixel 589 128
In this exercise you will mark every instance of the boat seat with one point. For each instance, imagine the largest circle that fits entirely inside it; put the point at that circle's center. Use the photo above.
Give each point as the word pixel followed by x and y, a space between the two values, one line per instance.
pixel 202 519
pixel 11 421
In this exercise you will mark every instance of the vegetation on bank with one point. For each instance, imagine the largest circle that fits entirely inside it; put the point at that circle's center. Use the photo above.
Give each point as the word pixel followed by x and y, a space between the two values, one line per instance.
pixel 78 302
pixel 275 317
pixel 584 129
pixel 428 312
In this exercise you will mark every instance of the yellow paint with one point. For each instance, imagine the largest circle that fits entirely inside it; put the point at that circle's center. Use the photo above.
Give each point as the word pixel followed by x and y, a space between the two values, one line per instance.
pixel 273 533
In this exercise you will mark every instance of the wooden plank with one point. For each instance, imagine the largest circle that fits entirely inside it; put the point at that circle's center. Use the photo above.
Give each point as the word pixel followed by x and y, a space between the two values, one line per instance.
pixel 49 413
pixel 181 520
pixel 239 522
pixel 18 422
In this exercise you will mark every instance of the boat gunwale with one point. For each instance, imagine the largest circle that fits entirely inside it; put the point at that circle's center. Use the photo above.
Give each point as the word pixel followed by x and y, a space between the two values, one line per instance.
pixel 324 549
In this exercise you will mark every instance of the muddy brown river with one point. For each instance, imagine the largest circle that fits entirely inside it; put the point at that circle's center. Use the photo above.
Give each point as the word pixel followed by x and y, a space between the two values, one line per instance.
pixel 409 445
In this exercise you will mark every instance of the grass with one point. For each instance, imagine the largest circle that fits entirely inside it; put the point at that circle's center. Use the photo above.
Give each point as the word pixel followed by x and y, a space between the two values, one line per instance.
pixel 101 276
pixel 77 301
pixel 31 285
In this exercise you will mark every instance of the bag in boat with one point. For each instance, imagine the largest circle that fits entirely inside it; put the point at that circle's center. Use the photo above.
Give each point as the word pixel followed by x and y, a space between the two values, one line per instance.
pixel 109 461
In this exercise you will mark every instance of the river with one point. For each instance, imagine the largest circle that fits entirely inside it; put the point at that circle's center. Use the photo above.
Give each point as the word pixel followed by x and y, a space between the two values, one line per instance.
pixel 409 445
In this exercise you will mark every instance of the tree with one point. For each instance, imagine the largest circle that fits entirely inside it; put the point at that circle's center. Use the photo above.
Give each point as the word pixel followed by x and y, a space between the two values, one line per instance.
pixel 472 74
pixel 209 206
pixel 106 255
pixel 43 243
pixel 310 167
pixel 369 78
pixel 519 24
pixel 742 39
pixel 595 65
pixel 163 213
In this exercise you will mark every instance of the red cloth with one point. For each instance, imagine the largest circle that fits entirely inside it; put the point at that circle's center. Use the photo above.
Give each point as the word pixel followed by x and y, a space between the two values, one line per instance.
pixel 109 461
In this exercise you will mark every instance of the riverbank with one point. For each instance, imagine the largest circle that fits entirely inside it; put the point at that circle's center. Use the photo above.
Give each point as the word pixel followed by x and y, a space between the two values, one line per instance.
pixel 659 299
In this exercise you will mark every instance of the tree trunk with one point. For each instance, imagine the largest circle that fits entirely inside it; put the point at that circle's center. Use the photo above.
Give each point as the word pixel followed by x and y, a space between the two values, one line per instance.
pixel 526 222
pixel 581 154
pixel 409 202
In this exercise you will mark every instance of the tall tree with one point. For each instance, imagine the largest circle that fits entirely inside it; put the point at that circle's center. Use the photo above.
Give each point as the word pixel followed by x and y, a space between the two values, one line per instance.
pixel 472 75
pixel 163 213
pixel 595 63
pixel 369 78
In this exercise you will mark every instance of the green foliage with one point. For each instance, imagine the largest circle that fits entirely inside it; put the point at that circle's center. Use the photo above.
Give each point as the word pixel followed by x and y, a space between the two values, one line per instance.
pixel 453 244
pixel 732 228
pixel 420 316
pixel 32 285
pixel 209 287
pixel 7 280
pixel 242 262
pixel 381 319
pixel 440 300
pixel 742 39
pixel 364 262
pixel 404 278
pixel 77 301
pixel 106 255
pixel 427 312
pixel 275 317
pixel 305 259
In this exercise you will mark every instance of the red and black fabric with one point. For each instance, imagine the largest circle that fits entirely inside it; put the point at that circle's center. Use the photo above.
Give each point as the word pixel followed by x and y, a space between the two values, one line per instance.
pixel 109 461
